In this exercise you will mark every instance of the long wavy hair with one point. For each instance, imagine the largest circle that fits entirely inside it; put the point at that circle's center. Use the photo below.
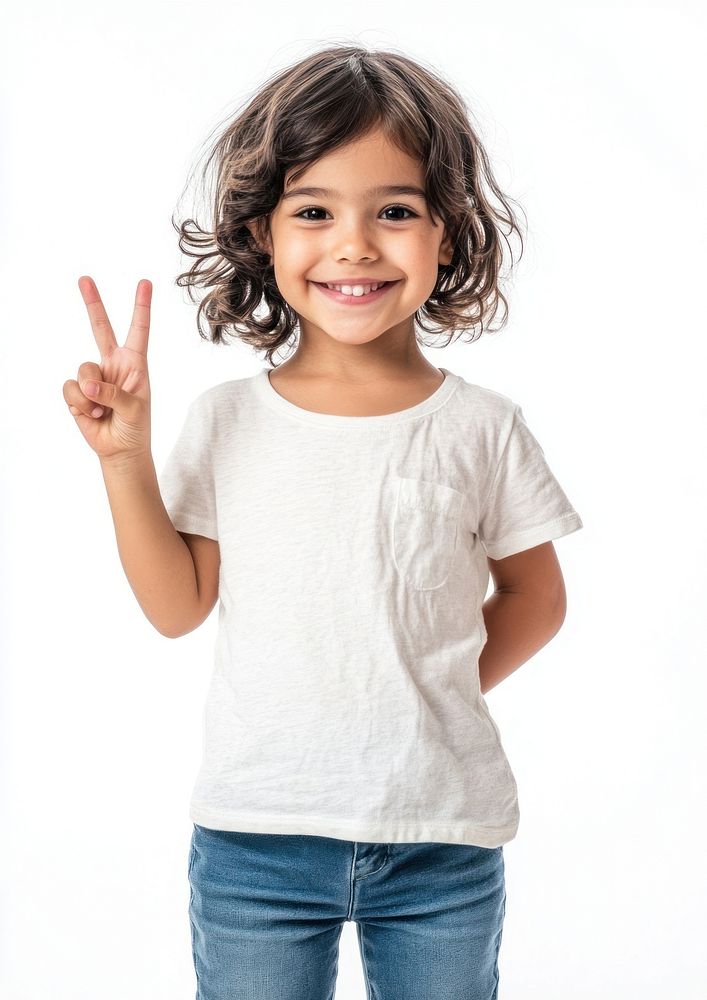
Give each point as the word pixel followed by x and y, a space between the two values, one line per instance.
pixel 322 102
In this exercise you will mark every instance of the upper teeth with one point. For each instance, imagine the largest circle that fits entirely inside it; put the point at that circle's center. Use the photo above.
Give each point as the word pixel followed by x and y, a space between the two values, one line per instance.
pixel 356 289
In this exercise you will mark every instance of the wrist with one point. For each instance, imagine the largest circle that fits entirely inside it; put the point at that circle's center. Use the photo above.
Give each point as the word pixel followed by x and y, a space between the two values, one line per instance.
pixel 126 461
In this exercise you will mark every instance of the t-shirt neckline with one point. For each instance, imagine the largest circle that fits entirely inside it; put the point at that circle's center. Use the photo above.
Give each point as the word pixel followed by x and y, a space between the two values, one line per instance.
pixel 269 395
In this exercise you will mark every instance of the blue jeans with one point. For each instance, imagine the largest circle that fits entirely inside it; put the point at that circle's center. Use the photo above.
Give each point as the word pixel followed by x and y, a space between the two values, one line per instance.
pixel 266 912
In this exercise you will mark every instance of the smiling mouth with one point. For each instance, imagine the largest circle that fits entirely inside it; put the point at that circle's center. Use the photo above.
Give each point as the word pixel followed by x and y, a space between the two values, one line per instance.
pixel 364 298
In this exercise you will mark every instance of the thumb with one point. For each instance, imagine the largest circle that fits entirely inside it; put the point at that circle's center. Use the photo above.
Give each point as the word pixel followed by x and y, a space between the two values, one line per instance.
pixel 107 394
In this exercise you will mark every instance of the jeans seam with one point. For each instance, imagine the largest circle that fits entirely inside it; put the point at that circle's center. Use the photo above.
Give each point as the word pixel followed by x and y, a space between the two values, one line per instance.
pixel 498 948
pixel 371 994
pixel 192 854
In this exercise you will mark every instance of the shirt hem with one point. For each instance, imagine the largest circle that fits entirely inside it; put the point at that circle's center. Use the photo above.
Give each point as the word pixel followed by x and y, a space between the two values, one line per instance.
pixel 365 831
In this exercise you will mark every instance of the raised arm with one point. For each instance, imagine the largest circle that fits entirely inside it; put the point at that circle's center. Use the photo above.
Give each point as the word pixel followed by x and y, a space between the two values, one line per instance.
pixel 175 594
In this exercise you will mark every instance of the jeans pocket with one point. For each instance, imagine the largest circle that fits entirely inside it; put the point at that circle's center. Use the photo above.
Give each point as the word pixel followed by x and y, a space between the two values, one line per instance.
pixel 192 854
pixel 426 523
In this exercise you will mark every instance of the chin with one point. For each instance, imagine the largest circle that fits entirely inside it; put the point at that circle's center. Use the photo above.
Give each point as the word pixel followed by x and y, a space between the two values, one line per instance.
pixel 353 337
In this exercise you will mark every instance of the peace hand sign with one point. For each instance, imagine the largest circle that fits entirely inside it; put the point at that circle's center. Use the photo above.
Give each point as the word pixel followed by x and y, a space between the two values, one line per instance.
pixel 122 427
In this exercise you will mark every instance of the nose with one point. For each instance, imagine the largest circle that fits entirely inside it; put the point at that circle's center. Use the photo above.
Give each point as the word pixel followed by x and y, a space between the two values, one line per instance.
pixel 353 241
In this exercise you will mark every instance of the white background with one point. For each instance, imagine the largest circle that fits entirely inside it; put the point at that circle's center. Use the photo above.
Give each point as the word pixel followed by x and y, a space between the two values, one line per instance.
pixel 594 118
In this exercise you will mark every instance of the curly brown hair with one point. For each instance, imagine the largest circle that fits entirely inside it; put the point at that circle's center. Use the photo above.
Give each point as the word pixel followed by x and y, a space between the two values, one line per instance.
pixel 322 102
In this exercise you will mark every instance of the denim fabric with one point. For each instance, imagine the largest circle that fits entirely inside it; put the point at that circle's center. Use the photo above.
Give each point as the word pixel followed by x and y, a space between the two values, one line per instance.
pixel 266 912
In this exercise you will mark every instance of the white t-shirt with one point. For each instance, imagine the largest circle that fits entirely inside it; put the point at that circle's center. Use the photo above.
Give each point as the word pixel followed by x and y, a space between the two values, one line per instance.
pixel 344 700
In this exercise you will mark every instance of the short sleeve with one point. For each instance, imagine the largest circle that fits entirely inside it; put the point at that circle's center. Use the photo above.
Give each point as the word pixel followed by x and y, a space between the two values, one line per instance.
pixel 525 504
pixel 187 478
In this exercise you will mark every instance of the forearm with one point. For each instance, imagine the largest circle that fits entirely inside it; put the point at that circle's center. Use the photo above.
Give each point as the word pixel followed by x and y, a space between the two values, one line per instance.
pixel 156 559
pixel 518 625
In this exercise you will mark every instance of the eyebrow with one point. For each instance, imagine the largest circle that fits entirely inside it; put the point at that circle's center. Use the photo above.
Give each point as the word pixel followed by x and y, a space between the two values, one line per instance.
pixel 319 192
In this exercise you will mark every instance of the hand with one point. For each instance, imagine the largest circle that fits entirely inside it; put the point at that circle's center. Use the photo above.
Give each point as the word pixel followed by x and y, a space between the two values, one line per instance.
pixel 122 427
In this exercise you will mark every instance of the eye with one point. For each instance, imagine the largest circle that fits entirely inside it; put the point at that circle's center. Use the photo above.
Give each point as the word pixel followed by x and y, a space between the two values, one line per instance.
pixel 391 208
pixel 300 215
pixel 400 208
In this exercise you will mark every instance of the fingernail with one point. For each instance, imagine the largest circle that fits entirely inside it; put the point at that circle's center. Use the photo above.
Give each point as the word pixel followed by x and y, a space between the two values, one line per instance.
pixel 91 388
pixel 96 411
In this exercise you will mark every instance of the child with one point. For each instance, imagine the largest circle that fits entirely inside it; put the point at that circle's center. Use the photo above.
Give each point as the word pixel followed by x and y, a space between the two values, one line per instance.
pixel 345 507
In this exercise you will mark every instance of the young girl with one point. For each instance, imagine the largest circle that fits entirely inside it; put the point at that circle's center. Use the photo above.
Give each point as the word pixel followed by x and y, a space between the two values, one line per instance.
pixel 346 508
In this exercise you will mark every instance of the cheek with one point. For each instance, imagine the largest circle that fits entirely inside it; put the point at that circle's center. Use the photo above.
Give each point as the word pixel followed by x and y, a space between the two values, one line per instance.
pixel 425 273
pixel 296 259
pixel 422 264
pixel 418 251
pixel 288 264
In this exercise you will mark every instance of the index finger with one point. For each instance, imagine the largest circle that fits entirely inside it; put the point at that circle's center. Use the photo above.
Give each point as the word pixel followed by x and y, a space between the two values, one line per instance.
pixel 100 324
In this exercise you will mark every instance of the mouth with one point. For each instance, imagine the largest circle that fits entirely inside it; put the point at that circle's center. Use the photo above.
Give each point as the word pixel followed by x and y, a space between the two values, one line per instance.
pixel 355 300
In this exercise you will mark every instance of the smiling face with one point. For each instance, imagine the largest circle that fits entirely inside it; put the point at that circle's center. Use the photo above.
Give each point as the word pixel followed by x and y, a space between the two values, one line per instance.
pixel 349 231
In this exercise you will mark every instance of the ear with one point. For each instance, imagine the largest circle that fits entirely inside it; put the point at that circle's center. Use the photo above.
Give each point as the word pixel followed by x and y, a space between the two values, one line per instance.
pixel 446 248
pixel 260 231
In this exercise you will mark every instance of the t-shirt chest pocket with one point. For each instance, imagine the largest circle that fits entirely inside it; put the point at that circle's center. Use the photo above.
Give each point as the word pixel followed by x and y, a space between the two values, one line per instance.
pixel 426 525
